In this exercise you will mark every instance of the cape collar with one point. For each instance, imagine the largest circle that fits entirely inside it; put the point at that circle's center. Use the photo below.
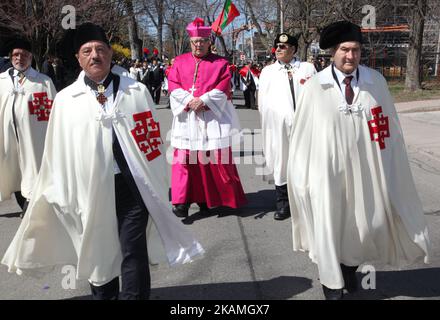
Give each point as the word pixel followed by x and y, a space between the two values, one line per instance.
pixel 92 84
pixel 79 86
pixel 295 63
pixel 30 73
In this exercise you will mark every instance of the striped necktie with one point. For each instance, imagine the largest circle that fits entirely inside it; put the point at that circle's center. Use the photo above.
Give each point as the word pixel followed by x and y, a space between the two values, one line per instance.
pixel 20 76
pixel 349 93
pixel 288 67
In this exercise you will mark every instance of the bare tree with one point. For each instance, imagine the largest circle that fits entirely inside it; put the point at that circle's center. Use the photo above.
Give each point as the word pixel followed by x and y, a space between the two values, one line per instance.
pixel 306 18
pixel 431 37
pixel 135 42
pixel 176 21
pixel 417 10
pixel 260 15
pixel 40 20
pixel 155 11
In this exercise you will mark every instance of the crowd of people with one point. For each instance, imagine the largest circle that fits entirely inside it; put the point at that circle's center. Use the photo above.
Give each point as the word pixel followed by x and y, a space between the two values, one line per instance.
pixel 88 165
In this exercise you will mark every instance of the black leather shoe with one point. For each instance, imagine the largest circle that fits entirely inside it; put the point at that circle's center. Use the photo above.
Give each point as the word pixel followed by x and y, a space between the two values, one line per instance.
pixel 282 214
pixel 25 206
pixel 203 207
pixel 181 210
pixel 332 294
pixel 349 274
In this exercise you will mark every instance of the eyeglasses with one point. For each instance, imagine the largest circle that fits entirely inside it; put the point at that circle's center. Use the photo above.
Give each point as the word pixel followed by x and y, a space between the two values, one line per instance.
pixel 282 46
pixel 199 41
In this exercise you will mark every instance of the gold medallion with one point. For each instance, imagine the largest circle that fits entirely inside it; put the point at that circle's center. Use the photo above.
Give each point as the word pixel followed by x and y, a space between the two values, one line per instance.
pixel 101 88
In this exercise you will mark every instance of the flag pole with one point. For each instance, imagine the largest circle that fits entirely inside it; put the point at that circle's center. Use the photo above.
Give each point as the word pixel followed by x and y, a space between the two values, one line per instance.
pixel 232 49
pixel 281 16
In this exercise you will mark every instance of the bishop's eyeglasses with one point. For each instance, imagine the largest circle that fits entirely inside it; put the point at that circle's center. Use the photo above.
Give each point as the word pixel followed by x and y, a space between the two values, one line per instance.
pixel 199 41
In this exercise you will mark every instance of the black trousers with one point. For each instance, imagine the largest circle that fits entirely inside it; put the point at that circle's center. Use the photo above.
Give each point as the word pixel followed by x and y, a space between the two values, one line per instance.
pixel 155 93
pixel 249 98
pixel 20 199
pixel 132 218
pixel 282 197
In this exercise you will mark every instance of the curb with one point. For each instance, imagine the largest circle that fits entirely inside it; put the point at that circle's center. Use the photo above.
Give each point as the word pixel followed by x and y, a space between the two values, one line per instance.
pixel 418 106
pixel 419 109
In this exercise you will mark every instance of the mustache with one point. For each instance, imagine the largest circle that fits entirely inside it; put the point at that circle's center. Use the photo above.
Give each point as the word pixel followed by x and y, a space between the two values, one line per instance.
pixel 96 61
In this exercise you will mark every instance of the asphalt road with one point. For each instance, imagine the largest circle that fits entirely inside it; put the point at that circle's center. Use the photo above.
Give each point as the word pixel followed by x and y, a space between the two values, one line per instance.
pixel 249 254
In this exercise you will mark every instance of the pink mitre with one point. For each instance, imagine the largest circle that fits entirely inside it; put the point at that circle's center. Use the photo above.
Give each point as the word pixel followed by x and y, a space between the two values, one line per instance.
pixel 197 28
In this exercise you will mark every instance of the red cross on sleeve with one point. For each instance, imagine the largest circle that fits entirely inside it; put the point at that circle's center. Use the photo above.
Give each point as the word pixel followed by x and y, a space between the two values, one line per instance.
pixel 146 133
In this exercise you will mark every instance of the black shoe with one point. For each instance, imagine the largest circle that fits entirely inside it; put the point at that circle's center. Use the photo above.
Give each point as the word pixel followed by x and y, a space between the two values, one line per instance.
pixel 181 210
pixel 25 206
pixel 282 214
pixel 349 274
pixel 332 294
pixel 203 207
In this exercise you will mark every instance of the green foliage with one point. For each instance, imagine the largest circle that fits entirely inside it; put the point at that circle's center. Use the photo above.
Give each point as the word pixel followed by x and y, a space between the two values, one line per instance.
pixel 120 52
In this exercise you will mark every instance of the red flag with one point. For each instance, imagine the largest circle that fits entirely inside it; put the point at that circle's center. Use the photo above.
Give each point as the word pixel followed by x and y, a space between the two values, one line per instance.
pixel 243 71
pixel 228 14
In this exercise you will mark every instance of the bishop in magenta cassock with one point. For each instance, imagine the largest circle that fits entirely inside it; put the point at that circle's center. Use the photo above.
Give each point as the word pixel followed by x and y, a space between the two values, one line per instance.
pixel 204 126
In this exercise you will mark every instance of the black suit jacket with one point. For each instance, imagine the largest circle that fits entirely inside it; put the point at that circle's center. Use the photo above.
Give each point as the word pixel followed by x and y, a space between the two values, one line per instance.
pixel 156 75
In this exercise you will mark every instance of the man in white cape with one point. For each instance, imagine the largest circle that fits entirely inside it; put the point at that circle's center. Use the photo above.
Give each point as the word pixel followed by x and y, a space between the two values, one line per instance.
pixel 280 85
pixel 101 195
pixel 25 103
pixel 350 186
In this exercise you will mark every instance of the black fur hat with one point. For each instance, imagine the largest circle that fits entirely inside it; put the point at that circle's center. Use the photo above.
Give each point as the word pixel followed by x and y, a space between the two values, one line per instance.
pixel 18 43
pixel 89 32
pixel 338 32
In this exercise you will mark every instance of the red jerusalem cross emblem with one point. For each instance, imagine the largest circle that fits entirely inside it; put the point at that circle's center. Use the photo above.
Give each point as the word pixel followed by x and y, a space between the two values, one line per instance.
pixel 379 129
pixel 146 133
pixel 40 106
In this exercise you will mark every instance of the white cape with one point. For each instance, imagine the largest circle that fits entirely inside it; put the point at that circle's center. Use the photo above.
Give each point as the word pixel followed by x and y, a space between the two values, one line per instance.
pixel 20 162
pixel 352 199
pixel 275 105
pixel 72 217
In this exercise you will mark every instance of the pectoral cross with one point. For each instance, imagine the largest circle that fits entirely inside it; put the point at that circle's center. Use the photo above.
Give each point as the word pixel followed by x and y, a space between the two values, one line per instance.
pixel 192 89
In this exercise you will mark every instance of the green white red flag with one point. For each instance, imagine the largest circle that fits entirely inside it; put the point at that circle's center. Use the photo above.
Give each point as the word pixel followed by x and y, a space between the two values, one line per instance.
pixel 228 14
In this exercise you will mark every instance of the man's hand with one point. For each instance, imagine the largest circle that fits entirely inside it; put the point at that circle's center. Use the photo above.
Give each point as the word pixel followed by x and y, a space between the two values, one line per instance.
pixel 196 105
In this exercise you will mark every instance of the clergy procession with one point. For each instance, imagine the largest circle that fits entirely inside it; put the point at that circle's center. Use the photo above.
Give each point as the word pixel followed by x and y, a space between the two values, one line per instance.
pixel 103 187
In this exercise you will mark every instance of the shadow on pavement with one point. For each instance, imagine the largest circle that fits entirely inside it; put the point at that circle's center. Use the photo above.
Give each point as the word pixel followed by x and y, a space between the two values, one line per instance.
pixel 10 215
pixel 259 204
pixel 419 283
pixel 280 288
pixel 238 106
